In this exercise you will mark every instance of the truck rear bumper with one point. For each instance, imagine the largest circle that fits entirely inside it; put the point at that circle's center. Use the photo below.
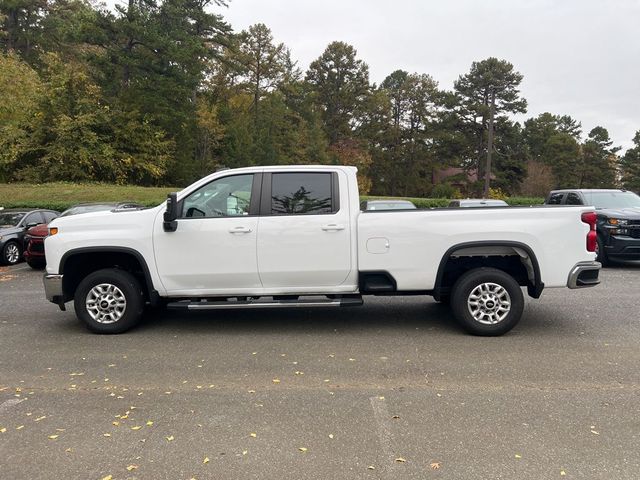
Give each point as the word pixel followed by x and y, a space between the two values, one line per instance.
pixel 53 289
pixel 584 274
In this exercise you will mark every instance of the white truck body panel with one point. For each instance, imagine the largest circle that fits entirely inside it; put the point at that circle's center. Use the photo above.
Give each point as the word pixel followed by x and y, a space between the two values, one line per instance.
pixel 418 240
pixel 296 254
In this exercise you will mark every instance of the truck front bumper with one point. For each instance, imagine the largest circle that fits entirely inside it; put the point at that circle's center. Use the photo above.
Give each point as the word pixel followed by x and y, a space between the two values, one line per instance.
pixel 584 274
pixel 623 247
pixel 53 289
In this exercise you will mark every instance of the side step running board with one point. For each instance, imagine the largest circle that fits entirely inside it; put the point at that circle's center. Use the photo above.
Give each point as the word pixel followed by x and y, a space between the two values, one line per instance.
pixel 231 304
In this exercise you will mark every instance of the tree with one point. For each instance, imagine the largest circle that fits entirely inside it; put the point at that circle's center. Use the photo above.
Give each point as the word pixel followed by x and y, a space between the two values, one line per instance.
pixel 630 163
pixel 489 90
pixel 553 140
pixel 340 83
pixel 406 138
pixel 264 64
pixel 21 27
pixel 598 166
pixel 22 91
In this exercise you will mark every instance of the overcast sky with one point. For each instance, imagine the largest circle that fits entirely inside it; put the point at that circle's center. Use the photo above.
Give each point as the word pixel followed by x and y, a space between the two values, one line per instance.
pixel 578 57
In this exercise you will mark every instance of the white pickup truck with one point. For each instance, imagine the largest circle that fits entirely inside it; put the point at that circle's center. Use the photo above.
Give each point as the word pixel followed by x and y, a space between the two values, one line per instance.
pixel 291 236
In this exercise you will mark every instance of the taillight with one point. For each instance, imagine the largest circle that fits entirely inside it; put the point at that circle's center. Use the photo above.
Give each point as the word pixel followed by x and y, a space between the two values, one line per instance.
pixel 592 236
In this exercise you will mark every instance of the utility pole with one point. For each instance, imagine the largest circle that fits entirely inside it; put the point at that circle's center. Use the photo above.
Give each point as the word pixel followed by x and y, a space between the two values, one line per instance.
pixel 487 172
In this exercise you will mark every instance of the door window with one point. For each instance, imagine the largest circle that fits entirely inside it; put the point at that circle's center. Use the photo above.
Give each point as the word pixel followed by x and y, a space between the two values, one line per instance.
pixel 224 197
pixel 573 199
pixel 555 199
pixel 302 194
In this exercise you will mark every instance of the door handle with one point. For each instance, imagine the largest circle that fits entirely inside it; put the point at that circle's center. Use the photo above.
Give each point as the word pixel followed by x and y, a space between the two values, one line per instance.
pixel 332 227
pixel 240 230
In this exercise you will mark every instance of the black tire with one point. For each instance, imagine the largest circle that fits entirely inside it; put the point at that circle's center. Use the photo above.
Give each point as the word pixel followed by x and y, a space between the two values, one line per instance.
pixel 109 289
pixel 602 254
pixel 444 300
pixel 11 253
pixel 36 264
pixel 500 289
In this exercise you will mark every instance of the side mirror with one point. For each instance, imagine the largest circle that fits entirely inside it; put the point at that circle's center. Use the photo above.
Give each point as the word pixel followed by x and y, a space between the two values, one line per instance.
pixel 171 213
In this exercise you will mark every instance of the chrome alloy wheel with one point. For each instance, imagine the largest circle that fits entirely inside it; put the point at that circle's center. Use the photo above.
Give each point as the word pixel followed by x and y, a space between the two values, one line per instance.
pixel 489 303
pixel 106 303
pixel 12 253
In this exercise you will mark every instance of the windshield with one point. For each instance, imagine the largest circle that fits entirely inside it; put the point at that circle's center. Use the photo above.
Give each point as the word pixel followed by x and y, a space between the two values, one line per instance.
pixel 11 218
pixel 612 199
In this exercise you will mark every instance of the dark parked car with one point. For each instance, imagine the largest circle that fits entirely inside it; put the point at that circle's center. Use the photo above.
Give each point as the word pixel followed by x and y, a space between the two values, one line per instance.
pixel 34 238
pixel 13 227
pixel 618 224
pixel 478 202
pixel 387 205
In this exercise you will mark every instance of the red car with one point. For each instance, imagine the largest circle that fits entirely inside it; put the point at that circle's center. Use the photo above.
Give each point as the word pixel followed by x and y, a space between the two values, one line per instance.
pixel 34 238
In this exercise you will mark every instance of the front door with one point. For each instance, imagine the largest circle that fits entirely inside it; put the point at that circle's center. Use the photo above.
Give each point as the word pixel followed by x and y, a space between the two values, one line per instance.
pixel 213 250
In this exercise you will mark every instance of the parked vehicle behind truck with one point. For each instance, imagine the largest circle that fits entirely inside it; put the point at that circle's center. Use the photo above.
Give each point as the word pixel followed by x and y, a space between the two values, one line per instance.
pixel 267 237
pixel 618 224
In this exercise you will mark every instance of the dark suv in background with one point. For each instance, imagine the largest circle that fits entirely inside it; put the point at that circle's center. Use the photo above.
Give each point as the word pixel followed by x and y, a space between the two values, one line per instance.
pixel 618 220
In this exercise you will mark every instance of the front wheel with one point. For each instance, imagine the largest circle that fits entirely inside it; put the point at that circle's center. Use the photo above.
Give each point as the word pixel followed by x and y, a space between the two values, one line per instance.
pixel 109 301
pixel 487 302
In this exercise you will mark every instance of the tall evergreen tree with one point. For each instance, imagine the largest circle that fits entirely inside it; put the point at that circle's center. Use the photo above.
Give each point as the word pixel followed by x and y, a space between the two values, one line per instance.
pixel 599 162
pixel 487 92
pixel 340 83
pixel 630 163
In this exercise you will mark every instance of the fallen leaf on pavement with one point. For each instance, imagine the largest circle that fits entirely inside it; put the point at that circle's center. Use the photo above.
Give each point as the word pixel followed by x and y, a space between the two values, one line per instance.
pixel 371 467
pixel 132 467
pixel 206 460
pixel 302 449
pixel 254 435
pixel 401 460
pixel 137 427
pixel 108 477
pixel 169 438
pixel 53 437
pixel 435 465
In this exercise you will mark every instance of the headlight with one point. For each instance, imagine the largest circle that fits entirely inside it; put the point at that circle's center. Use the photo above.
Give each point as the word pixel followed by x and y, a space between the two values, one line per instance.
pixel 618 221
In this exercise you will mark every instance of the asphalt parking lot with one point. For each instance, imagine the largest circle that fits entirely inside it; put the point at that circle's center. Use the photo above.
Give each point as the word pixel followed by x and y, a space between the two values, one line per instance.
pixel 391 390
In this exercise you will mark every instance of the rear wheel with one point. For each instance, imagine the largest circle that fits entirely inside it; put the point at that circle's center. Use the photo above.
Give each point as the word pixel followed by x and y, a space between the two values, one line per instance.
pixel 487 302
pixel 109 301
pixel 11 253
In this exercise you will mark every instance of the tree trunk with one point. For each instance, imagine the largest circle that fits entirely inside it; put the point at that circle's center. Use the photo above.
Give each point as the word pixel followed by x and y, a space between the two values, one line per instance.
pixel 487 173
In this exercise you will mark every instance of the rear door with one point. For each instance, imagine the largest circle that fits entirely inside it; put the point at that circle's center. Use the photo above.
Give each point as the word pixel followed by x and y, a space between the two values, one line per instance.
pixel 304 234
